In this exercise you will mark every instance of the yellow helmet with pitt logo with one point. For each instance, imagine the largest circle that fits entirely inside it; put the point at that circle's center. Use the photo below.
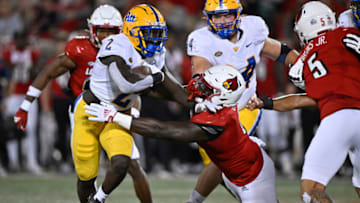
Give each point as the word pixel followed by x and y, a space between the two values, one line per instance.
pixel 146 28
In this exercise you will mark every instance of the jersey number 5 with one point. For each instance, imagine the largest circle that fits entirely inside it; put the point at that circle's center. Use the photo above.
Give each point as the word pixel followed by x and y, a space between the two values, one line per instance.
pixel 317 67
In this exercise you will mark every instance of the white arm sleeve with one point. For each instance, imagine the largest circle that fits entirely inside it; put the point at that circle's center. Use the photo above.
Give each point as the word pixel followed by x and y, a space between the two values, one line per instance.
pixel 124 85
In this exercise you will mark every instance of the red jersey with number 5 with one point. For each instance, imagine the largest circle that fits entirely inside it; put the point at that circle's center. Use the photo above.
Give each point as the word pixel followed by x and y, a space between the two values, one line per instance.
pixel 236 155
pixel 332 72
pixel 83 53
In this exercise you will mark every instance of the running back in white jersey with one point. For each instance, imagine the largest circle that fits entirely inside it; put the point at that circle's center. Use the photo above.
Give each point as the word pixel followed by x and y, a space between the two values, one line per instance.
pixel 101 83
pixel 244 54
pixel 346 19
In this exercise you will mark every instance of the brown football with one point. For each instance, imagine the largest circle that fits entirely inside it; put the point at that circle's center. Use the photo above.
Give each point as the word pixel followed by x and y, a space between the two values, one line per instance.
pixel 144 70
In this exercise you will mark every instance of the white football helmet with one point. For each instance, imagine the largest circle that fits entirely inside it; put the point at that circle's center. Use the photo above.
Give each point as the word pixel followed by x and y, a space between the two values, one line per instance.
pixel 222 85
pixel 106 17
pixel 314 19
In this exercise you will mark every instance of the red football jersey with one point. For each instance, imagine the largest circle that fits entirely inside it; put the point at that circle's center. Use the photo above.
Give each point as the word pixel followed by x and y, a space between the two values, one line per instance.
pixel 237 156
pixel 331 72
pixel 83 53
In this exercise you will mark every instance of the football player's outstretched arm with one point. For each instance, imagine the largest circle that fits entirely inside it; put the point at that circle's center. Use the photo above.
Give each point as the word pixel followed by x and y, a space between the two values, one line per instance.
pixel 171 130
pixel 171 89
pixel 127 80
pixel 283 103
pixel 279 52
pixel 60 65
pixel 150 127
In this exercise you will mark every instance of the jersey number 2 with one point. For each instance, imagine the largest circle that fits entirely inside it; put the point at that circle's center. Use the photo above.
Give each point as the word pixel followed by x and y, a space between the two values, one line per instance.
pixel 317 67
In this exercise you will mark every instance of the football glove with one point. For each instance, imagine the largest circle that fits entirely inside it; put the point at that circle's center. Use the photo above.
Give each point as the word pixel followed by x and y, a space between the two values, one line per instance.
pixel 20 119
pixel 296 74
pixel 101 112
pixel 352 41
pixel 107 113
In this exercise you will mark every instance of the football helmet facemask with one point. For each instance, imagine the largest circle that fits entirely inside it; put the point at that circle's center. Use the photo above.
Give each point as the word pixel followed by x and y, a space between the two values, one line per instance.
pixel 222 85
pixel 146 28
pixel 104 17
pixel 355 7
pixel 212 7
pixel 314 19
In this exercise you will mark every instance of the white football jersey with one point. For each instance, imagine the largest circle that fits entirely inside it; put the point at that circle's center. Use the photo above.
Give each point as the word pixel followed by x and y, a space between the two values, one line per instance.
pixel 244 54
pixel 102 85
pixel 345 19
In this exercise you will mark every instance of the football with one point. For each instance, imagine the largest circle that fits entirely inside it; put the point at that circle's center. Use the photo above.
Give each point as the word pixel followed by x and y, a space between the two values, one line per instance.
pixel 143 70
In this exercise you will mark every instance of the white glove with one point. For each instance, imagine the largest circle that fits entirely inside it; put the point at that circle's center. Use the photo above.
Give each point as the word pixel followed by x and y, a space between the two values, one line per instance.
pixel 102 112
pixel 352 41
pixel 205 106
pixel 296 74
pixel 107 113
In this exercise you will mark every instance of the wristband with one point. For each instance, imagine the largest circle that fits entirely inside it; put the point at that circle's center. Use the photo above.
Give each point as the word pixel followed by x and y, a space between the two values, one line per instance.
pixel 123 120
pixel 268 102
pixel 33 91
pixel 25 105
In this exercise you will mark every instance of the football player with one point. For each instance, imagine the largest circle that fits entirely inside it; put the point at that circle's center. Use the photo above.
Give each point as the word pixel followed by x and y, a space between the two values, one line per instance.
pixel 78 59
pixel 246 169
pixel 115 82
pixel 23 60
pixel 237 40
pixel 331 83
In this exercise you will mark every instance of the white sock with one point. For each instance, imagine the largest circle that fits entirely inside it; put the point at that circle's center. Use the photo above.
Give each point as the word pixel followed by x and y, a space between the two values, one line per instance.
pixel 100 195
pixel 196 197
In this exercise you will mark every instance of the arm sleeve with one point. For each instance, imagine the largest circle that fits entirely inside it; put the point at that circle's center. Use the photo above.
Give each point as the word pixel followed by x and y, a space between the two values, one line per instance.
pixel 124 85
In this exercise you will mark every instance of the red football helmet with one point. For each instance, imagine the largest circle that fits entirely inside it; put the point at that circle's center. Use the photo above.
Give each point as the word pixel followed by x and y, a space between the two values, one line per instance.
pixel 104 17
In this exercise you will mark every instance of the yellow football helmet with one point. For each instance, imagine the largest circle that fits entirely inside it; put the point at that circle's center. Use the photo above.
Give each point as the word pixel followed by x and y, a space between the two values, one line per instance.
pixel 146 28
pixel 224 30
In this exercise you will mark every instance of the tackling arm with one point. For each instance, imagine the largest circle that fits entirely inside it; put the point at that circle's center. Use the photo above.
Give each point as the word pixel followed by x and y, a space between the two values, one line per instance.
pixel 171 89
pixel 283 103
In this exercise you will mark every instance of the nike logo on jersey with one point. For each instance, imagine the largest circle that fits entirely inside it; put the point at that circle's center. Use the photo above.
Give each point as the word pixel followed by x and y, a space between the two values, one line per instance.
pixel 248 45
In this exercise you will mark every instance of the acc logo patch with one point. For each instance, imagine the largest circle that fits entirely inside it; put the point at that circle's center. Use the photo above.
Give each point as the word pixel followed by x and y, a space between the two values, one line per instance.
pixel 130 17
pixel 218 53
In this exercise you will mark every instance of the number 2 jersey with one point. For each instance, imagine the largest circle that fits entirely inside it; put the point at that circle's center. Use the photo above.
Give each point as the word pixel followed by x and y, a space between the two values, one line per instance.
pixel 244 54
pixel 236 155
pixel 102 85
pixel 331 72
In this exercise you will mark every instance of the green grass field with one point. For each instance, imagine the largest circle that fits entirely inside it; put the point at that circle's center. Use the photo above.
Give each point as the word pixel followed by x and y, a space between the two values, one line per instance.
pixel 61 189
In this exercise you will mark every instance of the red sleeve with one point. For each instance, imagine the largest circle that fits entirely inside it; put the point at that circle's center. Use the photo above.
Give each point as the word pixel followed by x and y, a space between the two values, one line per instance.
pixel 70 49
